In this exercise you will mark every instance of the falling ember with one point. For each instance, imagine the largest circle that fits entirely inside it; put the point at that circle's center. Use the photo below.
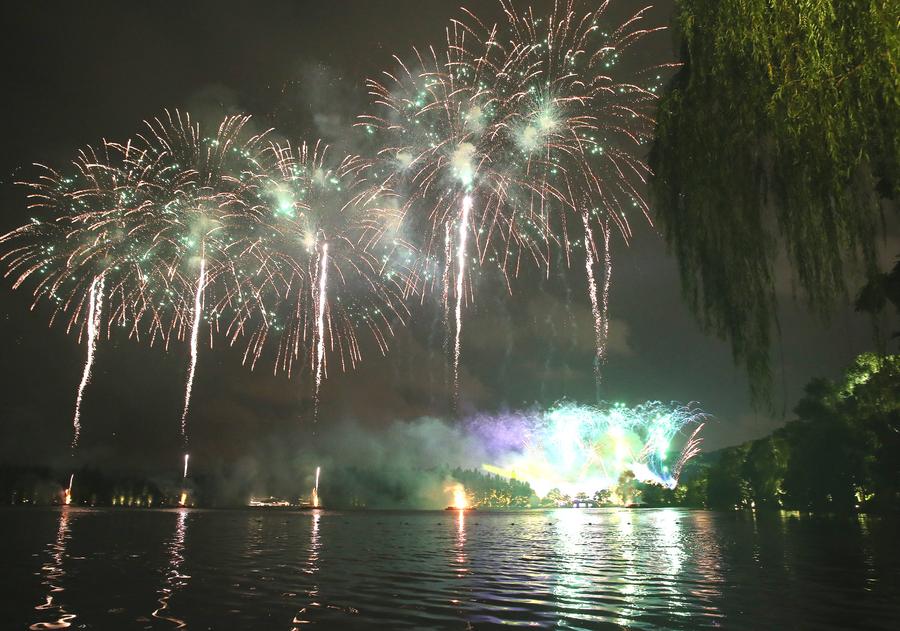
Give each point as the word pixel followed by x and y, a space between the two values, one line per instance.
pixel 461 270
pixel 186 458
pixel 195 331
pixel 320 324
pixel 95 306
pixel 68 498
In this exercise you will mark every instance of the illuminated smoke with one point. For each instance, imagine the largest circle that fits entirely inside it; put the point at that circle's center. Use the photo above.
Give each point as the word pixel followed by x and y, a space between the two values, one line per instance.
pixel 462 162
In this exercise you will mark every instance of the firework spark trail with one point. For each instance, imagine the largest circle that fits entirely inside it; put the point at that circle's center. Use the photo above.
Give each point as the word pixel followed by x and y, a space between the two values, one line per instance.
pixel 690 450
pixel 461 272
pixel 599 337
pixel 607 279
pixel 195 331
pixel 321 297
pixel 95 308
pixel 186 458
pixel 599 304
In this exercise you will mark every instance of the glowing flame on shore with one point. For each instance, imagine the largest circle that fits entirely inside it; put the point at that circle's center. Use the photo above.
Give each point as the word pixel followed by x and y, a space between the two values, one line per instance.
pixel 460 499
pixel 183 499
pixel 314 499
pixel 68 498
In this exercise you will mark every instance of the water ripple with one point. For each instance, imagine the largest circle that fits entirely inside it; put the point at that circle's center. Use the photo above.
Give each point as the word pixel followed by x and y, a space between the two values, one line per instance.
pixel 578 569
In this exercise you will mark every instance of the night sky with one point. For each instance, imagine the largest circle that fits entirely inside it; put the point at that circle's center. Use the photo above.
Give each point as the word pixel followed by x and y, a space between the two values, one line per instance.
pixel 78 72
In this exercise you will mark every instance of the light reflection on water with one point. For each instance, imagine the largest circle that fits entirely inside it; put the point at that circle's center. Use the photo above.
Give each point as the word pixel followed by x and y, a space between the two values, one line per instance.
pixel 174 578
pixel 54 574
pixel 587 569
pixel 311 569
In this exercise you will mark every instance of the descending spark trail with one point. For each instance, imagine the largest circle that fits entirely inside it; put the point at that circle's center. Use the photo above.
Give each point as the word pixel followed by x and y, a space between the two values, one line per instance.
pixel 607 277
pixel 445 287
pixel 599 304
pixel 445 302
pixel 95 307
pixel 320 323
pixel 186 457
pixel 461 271
pixel 195 330
pixel 599 336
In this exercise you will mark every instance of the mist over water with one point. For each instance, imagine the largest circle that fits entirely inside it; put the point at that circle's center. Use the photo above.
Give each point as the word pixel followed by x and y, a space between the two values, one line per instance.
pixel 587 569
pixel 409 464
pixel 403 465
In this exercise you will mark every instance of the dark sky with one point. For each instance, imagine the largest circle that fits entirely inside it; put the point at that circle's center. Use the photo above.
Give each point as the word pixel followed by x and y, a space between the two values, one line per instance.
pixel 78 72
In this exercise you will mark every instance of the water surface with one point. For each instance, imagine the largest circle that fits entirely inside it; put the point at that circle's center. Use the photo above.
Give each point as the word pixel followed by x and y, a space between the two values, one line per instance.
pixel 568 568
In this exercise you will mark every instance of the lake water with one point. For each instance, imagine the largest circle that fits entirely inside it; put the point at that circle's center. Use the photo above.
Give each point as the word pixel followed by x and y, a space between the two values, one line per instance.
pixel 568 568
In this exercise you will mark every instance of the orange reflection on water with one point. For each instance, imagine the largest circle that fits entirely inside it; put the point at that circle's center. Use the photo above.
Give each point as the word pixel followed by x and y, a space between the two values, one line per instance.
pixel 461 558
pixel 312 568
pixel 54 572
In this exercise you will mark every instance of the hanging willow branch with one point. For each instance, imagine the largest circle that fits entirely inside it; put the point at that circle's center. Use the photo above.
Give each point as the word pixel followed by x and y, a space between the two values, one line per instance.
pixel 778 135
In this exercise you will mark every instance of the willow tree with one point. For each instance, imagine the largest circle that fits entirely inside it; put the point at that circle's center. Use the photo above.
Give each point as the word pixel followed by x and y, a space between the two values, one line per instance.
pixel 779 135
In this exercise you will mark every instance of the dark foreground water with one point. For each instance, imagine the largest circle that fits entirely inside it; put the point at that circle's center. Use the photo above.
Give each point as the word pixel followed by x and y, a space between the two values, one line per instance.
pixel 607 568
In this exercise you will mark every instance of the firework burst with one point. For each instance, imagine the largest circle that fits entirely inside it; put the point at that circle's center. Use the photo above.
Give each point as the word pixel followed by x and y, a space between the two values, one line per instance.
pixel 514 143
pixel 588 111
pixel 582 448
pixel 323 259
